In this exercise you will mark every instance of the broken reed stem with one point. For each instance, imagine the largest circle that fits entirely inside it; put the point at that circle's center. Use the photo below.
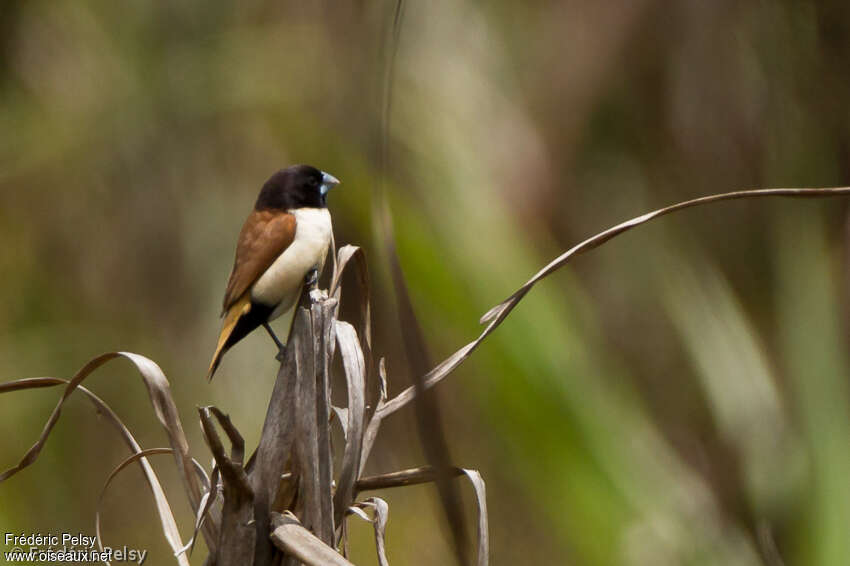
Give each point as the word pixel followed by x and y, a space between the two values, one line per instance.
pixel 292 466
pixel 291 537
pixel 412 476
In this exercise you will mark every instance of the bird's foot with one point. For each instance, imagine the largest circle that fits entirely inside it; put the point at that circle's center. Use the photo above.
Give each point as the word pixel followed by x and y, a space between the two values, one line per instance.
pixel 311 281
pixel 281 347
pixel 317 295
pixel 281 353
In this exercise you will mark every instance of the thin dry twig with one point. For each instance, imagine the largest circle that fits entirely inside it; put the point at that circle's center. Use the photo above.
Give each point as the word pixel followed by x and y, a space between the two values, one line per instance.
pixel 411 476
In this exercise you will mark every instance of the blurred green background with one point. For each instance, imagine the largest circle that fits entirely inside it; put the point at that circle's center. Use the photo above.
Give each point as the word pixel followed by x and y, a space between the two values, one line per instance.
pixel 678 396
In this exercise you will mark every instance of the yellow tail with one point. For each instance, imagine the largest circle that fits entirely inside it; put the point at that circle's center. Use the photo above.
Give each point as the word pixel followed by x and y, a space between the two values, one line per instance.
pixel 236 311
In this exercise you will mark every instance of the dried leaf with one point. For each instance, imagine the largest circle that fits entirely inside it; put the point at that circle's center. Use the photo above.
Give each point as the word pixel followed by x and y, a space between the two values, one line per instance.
pixel 346 253
pixel 207 501
pixel 381 511
pixel 354 510
pixel 202 476
pixel 483 530
pixel 341 417
pixel 382 375
pixel 355 375
pixel 381 516
pixel 377 415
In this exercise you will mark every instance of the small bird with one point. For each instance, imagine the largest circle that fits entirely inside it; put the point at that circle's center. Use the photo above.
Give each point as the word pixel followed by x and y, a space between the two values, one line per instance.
pixel 282 246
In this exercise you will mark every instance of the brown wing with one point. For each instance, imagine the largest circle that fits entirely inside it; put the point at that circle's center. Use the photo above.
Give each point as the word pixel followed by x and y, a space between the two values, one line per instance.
pixel 263 238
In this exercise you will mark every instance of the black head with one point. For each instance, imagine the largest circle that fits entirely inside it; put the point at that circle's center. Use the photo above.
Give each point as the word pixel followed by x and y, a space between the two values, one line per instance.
pixel 298 186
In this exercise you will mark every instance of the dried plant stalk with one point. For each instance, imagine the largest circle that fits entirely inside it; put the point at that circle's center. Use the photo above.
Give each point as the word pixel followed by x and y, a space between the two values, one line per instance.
pixel 292 467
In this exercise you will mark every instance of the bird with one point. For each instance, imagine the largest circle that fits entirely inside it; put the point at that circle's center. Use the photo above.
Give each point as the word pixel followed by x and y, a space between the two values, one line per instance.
pixel 282 246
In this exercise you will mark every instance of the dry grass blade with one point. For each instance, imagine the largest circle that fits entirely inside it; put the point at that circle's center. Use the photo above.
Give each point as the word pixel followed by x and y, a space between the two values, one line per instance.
pixel 483 528
pixel 378 414
pixel 346 254
pixel 381 511
pixel 31 383
pixel 381 516
pixel 341 414
pixel 207 501
pixel 35 449
pixel 432 378
pixel 496 315
pixel 290 536
pixel 179 551
pixel 354 510
pixel 169 525
pixel 355 375
pixel 364 331
pixel 382 376
pixel 202 475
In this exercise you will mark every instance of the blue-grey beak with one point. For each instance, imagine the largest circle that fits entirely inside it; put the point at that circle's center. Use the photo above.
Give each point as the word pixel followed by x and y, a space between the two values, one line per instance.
pixel 328 182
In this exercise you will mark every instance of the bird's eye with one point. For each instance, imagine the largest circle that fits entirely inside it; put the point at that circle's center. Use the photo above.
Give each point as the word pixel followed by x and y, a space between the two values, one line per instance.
pixel 314 182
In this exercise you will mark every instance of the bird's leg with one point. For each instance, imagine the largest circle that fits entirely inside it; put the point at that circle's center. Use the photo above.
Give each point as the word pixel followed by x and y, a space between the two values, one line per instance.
pixel 311 281
pixel 281 347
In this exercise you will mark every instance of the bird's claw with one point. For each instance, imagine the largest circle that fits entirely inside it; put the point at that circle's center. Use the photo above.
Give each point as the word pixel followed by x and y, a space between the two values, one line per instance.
pixel 318 295
pixel 281 354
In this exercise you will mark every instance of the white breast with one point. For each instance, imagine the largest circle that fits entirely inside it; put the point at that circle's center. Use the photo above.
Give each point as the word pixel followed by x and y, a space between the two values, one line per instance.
pixel 281 283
